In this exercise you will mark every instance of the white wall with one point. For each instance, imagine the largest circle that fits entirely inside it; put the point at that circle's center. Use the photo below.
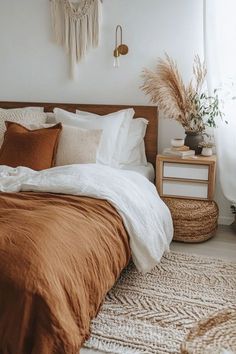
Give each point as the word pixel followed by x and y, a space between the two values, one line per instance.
pixel 32 68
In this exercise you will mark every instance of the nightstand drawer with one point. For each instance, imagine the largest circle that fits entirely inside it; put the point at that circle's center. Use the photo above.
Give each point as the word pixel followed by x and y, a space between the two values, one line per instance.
pixel 186 171
pixel 185 189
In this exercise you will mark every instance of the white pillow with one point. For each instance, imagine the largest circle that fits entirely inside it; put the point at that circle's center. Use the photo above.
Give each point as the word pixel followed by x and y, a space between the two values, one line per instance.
pixel 21 116
pixel 76 145
pixel 123 134
pixel 134 153
pixel 114 136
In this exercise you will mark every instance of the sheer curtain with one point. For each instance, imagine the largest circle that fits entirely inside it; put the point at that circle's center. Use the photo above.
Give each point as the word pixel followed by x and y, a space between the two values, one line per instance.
pixel 220 56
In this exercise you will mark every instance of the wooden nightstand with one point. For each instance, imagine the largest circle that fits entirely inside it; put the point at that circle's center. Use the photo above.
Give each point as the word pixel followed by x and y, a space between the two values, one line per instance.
pixel 188 178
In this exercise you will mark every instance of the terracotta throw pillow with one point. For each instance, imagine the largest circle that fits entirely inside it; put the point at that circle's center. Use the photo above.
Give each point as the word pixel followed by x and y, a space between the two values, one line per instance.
pixel 35 149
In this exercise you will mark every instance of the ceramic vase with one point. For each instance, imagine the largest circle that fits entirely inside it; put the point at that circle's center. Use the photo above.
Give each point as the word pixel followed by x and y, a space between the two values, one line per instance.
pixel 207 151
pixel 192 140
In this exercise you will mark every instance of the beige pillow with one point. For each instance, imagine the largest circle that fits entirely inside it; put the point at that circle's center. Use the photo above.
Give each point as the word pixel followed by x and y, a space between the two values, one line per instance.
pixel 76 145
pixel 21 116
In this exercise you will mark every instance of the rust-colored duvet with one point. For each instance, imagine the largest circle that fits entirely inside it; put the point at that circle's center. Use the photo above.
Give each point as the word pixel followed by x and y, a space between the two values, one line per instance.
pixel 59 255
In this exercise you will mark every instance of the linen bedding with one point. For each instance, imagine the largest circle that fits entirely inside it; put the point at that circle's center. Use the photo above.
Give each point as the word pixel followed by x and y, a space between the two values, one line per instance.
pixel 63 243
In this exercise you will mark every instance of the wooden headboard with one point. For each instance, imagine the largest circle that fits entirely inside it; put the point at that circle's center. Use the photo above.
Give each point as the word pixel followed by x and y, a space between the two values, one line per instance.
pixel 148 112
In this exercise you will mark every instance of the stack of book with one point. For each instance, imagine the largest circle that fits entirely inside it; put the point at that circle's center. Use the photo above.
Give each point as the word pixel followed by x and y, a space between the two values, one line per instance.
pixel 182 151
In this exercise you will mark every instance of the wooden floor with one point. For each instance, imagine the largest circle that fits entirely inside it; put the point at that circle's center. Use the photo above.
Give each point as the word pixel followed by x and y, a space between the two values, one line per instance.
pixel 223 246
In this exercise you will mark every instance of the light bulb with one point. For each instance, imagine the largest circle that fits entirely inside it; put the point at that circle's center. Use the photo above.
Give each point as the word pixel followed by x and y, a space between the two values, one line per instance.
pixel 116 62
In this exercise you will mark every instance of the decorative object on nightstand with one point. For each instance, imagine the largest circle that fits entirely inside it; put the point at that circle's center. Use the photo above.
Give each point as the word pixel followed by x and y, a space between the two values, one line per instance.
pixel 178 149
pixel 193 141
pixel 178 152
pixel 177 142
pixel 188 104
pixel 207 148
pixel 187 186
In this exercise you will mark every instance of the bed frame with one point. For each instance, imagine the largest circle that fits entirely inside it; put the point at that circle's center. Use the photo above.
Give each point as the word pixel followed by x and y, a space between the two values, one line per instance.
pixel 148 112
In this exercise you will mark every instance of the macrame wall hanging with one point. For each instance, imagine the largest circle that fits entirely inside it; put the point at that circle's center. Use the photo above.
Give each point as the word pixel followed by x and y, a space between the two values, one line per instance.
pixel 76 27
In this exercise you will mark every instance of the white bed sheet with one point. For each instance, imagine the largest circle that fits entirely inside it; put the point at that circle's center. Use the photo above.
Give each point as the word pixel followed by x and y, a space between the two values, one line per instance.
pixel 146 171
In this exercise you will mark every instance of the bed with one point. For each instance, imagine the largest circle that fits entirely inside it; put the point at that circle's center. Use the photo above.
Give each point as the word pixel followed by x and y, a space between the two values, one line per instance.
pixel 66 233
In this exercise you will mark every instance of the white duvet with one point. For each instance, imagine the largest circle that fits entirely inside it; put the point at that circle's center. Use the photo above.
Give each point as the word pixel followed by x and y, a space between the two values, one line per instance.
pixel 146 218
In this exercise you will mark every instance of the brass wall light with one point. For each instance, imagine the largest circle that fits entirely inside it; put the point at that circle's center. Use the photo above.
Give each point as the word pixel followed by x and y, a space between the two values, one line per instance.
pixel 120 47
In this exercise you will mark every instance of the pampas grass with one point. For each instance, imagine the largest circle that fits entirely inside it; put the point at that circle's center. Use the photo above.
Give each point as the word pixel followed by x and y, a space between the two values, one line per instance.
pixel 177 101
pixel 166 88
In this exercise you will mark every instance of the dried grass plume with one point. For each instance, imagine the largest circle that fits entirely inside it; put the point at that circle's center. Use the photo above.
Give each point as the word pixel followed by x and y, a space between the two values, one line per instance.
pixel 166 88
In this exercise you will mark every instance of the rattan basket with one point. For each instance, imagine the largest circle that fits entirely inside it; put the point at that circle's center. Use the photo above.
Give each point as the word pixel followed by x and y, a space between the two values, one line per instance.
pixel 213 335
pixel 194 220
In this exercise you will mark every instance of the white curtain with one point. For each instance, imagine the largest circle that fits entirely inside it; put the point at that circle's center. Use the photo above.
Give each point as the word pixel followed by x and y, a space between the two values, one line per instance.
pixel 220 56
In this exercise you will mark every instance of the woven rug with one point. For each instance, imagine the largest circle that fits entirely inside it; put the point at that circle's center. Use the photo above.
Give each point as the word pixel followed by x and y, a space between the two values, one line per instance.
pixel 153 313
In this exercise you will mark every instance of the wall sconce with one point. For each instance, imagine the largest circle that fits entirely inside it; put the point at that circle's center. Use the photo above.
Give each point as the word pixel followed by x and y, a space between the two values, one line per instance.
pixel 120 48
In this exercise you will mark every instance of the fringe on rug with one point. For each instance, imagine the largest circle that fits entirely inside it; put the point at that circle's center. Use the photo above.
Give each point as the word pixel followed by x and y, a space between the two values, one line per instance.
pixel 76 27
pixel 111 347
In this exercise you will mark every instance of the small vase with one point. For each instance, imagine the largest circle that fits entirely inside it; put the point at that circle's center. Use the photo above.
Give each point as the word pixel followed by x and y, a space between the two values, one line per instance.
pixel 192 140
pixel 206 151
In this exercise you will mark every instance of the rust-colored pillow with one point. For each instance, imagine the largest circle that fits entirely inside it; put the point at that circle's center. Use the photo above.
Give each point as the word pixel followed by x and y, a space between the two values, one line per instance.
pixel 35 149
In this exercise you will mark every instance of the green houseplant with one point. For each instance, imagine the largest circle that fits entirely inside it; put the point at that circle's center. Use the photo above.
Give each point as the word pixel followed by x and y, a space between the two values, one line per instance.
pixel 189 104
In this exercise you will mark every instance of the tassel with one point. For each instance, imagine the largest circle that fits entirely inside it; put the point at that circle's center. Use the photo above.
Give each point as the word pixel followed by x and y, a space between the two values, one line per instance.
pixel 72 47
pixel 57 25
pixel 54 17
pixel 95 16
pixel 66 43
pixel 82 43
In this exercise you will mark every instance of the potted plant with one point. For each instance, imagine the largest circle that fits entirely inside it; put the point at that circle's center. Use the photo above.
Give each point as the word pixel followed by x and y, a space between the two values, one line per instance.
pixel 189 104
pixel 206 147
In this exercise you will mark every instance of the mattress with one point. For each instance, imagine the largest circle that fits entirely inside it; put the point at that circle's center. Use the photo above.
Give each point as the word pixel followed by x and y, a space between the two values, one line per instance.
pixel 147 171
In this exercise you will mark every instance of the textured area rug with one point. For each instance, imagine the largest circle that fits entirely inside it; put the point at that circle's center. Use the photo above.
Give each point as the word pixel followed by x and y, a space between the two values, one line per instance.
pixel 153 313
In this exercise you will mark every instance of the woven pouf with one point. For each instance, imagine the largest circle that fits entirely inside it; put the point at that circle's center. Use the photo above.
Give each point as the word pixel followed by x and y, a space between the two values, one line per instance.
pixel 214 335
pixel 194 220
